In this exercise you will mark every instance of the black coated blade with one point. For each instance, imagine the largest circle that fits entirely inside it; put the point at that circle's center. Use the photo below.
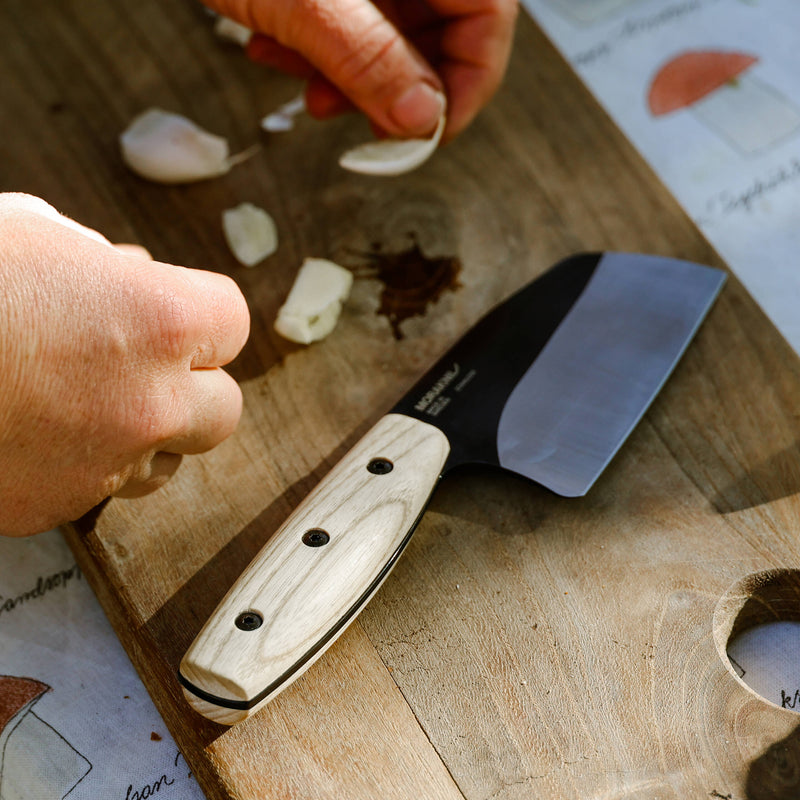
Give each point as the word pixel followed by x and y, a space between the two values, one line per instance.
pixel 551 382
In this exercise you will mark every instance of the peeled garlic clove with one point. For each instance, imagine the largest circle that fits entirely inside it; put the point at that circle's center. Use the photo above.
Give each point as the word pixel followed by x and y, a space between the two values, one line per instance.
pixel 312 308
pixel 232 31
pixel 392 156
pixel 169 148
pixel 250 232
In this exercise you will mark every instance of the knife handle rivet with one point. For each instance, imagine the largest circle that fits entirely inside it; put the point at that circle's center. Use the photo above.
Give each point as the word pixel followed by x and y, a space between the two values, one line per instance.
pixel 248 621
pixel 316 537
pixel 380 466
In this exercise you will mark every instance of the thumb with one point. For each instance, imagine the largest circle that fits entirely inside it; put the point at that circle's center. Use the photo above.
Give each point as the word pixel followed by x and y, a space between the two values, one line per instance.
pixel 361 53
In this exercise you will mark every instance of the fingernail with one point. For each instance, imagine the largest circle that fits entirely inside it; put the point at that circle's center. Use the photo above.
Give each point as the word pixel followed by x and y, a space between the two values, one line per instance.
pixel 418 109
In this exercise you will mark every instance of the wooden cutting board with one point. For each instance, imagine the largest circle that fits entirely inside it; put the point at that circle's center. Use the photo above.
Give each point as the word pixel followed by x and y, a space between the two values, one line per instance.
pixel 526 645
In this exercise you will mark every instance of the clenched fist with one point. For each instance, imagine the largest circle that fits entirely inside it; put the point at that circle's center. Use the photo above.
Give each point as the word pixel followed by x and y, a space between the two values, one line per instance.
pixel 111 366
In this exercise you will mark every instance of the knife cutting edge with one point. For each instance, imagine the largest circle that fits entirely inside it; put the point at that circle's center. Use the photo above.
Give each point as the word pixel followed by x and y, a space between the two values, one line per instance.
pixel 548 385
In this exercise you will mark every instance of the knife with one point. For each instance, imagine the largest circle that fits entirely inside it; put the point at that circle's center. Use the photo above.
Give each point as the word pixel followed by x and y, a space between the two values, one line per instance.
pixel 549 385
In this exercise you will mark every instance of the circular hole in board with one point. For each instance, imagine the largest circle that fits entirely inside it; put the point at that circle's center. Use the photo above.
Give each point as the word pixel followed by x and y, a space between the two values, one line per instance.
pixel 757 627
pixel 767 659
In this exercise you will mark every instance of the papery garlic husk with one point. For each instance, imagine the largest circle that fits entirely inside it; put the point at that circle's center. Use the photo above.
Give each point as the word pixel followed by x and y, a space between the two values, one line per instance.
pixel 282 119
pixel 169 148
pixel 232 31
pixel 250 232
pixel 392 156
pixel 315 301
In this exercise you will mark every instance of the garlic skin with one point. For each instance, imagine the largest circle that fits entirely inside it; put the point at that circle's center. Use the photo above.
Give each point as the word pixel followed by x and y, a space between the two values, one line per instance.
pixel 392 156
pixel 315 301
pixel 283 118
pixel 169 148
pixel 250 232
pixel 232 31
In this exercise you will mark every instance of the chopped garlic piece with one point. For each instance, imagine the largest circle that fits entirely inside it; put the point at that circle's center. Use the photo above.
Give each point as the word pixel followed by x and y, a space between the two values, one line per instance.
pixel 232 31
pixel 250 232
pixel 282 119
pixel 312 308
pixel 392 156
pixel 169 148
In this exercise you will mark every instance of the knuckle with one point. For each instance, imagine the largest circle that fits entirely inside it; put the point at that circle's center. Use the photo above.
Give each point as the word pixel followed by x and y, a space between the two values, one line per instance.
pixel 354 44
pixel 160 312
pixel 151 415
pixel 238 316
pixel 225 320
pixel 232 300
pixel 172 324
pixel 367 64
pixel 378 73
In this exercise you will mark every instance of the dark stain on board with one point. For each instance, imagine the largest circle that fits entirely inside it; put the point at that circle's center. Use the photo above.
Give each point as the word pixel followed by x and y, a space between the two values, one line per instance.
pixel 411 281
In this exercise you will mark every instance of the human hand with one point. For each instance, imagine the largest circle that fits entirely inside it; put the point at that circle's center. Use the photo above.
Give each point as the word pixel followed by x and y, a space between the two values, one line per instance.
pixel 392 59
pixel 110 364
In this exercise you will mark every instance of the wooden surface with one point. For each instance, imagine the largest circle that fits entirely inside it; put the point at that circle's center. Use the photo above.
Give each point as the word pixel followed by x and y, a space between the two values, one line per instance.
pixel 525 645
pixel 305 596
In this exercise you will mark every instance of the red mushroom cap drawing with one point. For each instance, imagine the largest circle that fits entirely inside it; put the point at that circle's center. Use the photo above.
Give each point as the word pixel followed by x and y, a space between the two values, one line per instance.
pixel 35 759
pixel 692 76
pixel 16 695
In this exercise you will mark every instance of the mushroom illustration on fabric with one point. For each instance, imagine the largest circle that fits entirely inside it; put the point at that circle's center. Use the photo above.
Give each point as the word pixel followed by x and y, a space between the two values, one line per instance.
pixel 720 89
pixel 587 12
pixel 35 760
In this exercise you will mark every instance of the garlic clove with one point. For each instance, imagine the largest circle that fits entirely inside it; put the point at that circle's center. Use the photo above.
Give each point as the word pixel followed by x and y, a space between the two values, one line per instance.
pixel 392 156
pixel 169 148
pixel 315 301
pixel 250 232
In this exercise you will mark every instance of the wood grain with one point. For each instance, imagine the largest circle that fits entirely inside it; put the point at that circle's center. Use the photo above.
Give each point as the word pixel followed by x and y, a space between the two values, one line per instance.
pixel 304 597
pixel 526 645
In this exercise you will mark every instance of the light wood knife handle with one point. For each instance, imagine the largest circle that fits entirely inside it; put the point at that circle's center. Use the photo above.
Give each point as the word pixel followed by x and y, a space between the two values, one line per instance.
pixel 311 579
